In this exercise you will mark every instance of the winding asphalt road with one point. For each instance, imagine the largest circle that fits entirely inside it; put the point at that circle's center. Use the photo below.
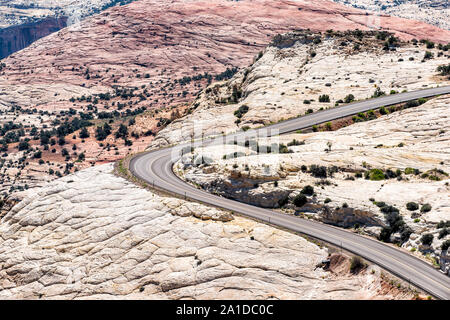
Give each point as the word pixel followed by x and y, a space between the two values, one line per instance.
pixel 155 167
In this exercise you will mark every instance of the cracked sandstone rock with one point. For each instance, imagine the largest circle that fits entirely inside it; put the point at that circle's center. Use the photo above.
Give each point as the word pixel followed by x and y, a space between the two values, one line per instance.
pixel 93 235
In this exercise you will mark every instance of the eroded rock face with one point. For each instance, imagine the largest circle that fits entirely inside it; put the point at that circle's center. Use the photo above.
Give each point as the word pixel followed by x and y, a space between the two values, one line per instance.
pixel 23 22
pixel 93 235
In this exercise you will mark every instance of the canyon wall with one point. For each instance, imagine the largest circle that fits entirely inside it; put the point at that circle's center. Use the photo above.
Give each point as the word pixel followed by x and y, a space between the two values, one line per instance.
pixel 16 38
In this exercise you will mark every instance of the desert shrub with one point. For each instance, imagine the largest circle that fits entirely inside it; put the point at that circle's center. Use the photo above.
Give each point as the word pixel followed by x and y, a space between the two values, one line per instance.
pixel 61 141
pixel 380 204
pixel 327 200
pixel 241 111
pixel 412 171
pixel 412 104
pixel 444 70
pixel 300 200
pixel 356 264
pixel 378 93
pixel 376 175
pixel 306 102
pixel 122 132
pixel 23 145
pixel 412 206
pixel 428 55
pixel 427 239
pixel 405 234
pixel 395 221
pixel 443 224
pixel 318 171
pixel 390 174
pixel 385 234
pixel 324 98
pixel 308 190
pixel 349 98
pixel 443 233
pixel 387 209
pixel 445 245
pixel 425 208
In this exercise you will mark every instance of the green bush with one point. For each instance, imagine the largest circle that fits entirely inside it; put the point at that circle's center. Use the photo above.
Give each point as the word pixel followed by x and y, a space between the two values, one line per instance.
pixel 318 171
pixel 385 234
pixel 300 200
pixel 308 190
pixel 443 233
pixel 412 206
pixel 428 55
pixel 324 98
pixel 23 145
pixel 445 245
pixel 444 70
pixel 411 171
pixel 425 208
pixel 349 98
pixel 241 111
pixel 443 224
pixel 376 175
pixel 427 239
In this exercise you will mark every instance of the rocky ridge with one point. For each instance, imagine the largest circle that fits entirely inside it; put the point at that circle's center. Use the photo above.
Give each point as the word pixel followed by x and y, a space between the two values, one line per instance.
pixel 296 70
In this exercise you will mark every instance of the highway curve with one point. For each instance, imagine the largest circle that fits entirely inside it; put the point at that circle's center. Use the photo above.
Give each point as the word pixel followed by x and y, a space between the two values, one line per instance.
pixel 155 167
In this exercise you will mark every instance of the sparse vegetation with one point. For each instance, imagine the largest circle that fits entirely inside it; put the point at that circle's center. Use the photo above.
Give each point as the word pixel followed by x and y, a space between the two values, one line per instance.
pixel 356 264
pixel 300 200
pixel 412 206
pixel 427 239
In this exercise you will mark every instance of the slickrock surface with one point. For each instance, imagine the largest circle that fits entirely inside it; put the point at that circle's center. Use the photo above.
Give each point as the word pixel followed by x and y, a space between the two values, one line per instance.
pixel 294 72
pixel 435 12
pixel 93 235
pixel 414 138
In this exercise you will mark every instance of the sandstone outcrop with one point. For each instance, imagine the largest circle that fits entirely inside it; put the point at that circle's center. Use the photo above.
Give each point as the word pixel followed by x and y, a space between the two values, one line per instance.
pixel 296 70
pixel 92 235
pixel 410 147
